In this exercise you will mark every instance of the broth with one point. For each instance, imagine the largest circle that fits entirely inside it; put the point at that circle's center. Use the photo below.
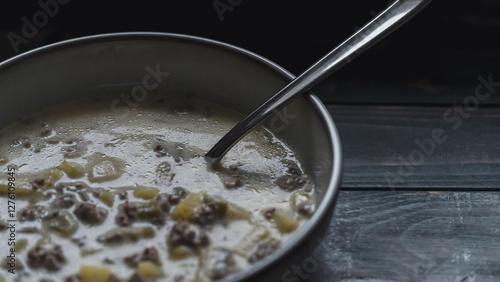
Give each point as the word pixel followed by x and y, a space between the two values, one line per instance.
pixel 128 196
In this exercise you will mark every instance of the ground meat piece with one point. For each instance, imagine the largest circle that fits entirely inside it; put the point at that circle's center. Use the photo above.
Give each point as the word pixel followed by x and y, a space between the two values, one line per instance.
pixel 72 152
pixel 122 219
pixel 113 278
pixel 90 213
pixel 263 250
pixel 269 213
pixel 80 185
pixel 292 167
pixel 149 211
pixel 73 278
pixel 79 241
pixel 181 192
pixel 132 260
pixel 28 215
pixel 46 132
pixel 149 254
pixel 176 236
pixel 163 168
pixel 160 151
pixel 158 219
pixel 174 199
pixel 195 237
pixel 290 182
pixel 163 200
pixel 37 183
pixel 207 214
pixel 127 215
pixel 184 234
pixel 306 208
pixel 137 278
pixel 51 259
pixel 231 184
pixel 130 210
pixel 179 278
pixel 64 202
pixel 123 195
pixel 223 261
pixel 3 225
pixel 32 213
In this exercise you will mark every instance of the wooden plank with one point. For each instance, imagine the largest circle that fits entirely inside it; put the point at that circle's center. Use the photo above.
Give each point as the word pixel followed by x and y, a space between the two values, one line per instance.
pixel 410 147
pixel 419 90
pixel 412 236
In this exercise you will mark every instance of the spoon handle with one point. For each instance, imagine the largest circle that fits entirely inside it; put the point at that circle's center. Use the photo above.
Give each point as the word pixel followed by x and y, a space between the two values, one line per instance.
pixel 382 25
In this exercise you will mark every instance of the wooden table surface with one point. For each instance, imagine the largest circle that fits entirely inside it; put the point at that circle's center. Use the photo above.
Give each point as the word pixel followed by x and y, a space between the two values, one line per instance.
pixel 413 212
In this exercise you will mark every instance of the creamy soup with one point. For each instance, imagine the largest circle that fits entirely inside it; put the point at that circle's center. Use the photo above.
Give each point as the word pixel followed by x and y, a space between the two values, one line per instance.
pixel 98 195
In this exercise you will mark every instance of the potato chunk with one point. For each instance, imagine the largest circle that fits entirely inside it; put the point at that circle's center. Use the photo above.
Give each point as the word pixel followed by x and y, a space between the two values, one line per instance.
pixel 103 171
pixel 146 193
pixel 180 252
pixel 63 223
pixel 235 212
pixel 255 234
pixel 20 191
pixel 148 269
pixel 285 222
pixel 71 170
pixel 54 175
pixel 89 273
pixel 108 198
pixel 186 208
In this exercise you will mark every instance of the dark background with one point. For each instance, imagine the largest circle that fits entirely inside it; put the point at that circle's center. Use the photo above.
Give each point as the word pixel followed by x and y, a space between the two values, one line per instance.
pixel 434 58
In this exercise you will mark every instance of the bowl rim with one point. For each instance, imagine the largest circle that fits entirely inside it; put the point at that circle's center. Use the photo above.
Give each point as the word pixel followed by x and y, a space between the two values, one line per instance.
pixel 328 202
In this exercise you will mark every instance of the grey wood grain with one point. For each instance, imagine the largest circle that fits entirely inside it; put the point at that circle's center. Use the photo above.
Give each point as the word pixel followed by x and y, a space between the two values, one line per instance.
pixel 411 147
pixel 412 236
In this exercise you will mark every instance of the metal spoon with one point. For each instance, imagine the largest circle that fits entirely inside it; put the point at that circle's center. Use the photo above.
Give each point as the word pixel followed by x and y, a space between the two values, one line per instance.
pixel 383 24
